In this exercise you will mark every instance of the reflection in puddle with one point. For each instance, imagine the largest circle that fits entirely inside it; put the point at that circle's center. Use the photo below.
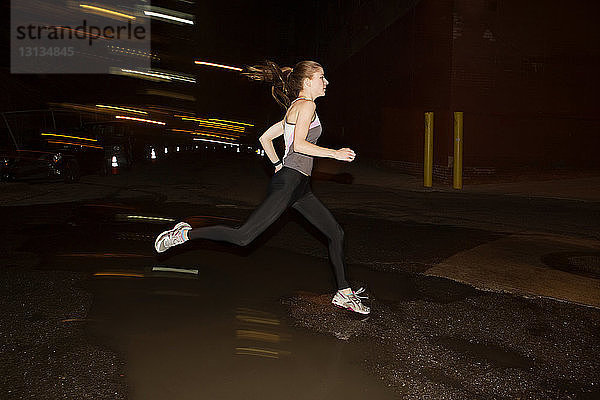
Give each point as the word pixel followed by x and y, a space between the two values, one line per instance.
pixel 251 351
pixel 259 326
pixel 258 335
pixel 257 320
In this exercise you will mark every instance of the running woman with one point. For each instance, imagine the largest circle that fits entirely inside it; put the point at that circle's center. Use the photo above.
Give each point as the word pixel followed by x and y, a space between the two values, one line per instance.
pixel 296 90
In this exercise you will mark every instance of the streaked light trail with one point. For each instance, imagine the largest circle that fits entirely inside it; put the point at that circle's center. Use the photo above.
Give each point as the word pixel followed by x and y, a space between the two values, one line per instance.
pixel 231 122
pixel 75 144
pixel 169 17
pixel 121 109
pixel 216 141
pixel 140 120
pixel 107 11
pixel 232 137
pixel 212 124
pixel 217 65
pixel 223 122
pixel 67 136
pixel 150 218
pixel 160 75
pixel 172 269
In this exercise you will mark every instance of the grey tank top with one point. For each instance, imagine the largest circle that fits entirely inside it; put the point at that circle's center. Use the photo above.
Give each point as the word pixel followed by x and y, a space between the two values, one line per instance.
pixel 298 161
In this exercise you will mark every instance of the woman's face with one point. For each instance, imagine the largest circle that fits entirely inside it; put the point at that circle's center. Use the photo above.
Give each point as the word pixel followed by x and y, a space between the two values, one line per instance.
pixel 318 83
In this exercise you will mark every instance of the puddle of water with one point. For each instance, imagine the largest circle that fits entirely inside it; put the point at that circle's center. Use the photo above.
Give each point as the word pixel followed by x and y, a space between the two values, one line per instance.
pixel 225 334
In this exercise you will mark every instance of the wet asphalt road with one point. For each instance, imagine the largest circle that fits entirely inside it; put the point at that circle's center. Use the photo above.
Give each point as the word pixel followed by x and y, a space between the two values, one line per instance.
pixel 257 323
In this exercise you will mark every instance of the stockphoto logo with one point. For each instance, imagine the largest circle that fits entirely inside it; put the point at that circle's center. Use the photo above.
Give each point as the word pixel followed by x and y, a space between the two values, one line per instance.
pixel 81 32
pixel 61 36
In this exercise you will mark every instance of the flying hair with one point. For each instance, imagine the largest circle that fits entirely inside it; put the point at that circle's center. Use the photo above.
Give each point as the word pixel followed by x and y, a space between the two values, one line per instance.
pixel 286 83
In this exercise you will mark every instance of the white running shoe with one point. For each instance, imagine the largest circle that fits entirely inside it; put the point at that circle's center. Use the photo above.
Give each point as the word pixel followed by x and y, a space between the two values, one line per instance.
pixel 171 238
pixel 351 301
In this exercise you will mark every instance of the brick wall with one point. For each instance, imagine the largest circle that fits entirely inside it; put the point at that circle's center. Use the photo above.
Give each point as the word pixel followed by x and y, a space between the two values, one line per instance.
pixel 525 74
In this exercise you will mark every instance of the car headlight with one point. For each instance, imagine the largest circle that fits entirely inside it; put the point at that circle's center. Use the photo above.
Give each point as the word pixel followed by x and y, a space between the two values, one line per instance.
pixel 57 157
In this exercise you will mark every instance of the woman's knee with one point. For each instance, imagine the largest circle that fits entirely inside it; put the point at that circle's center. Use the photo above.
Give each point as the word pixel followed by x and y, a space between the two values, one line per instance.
pixel 243 237
pixel 338 235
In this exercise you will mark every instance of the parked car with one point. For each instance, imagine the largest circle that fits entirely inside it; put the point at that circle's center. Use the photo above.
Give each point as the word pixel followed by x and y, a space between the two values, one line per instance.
pixel 55 155
pixel 38 164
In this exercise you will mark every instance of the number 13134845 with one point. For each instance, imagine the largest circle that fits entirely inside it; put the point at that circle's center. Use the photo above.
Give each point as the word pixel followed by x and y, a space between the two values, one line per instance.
pixel 40 51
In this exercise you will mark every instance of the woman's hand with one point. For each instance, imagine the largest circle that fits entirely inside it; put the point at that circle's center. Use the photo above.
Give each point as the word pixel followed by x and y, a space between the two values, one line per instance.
pixel 345 154
pixel 277 168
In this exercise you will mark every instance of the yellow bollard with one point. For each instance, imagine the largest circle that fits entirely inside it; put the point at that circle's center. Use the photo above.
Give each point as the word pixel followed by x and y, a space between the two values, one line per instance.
pixel 458 150
pixel 428 159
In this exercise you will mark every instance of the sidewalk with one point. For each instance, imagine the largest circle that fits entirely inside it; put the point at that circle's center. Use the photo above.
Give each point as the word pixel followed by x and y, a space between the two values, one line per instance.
pixel 561 187
pixel 515 263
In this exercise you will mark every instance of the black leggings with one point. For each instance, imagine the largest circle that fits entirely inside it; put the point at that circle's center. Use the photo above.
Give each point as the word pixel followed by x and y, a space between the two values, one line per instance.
pixel 288 187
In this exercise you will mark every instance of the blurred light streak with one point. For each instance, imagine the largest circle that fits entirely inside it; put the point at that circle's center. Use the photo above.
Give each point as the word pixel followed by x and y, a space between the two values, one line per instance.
pixel 200 133
pixel 220 125
pixel 120 274
pixel 77 31
pixel 257 320
pixel 216 141
pixel 67 136
pixel 211 120
pixel 257 335
pixel 169 17
pixel 211 124
pixel 140 120
pixel 150 218
pixel 172 269
pixel 217 125
pixel 75 144
pixel 160 75
pixel 133 52
pixel 251 351
pixel 217 65
pixel 121 109
pixel 107 11
pixel 231 122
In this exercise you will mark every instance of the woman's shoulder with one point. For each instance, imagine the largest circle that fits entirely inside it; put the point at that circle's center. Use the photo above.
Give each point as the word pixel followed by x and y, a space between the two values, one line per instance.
pixel 302 105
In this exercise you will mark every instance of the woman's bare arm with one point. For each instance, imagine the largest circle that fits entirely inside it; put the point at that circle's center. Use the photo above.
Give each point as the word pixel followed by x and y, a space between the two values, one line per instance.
pixel 306 110
pixel 266 140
